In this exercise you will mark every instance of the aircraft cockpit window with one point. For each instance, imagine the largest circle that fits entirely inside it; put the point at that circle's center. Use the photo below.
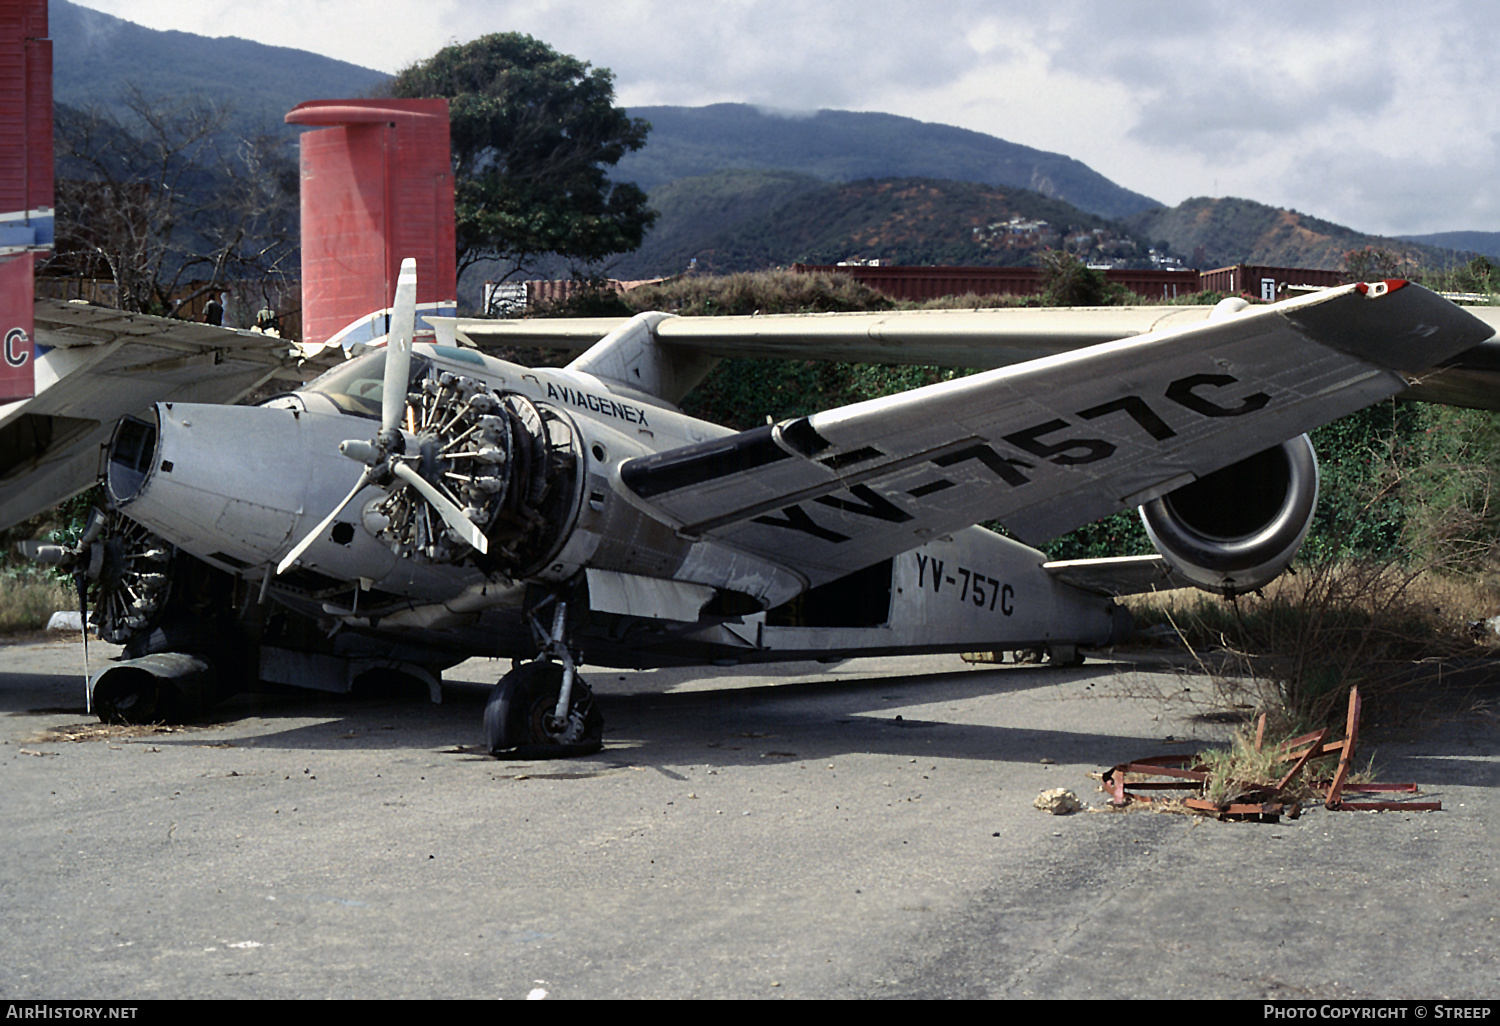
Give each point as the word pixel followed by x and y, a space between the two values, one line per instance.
pixel 357 386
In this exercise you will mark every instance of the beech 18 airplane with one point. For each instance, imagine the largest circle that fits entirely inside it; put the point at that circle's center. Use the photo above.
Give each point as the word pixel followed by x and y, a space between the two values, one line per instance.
pixel 422 502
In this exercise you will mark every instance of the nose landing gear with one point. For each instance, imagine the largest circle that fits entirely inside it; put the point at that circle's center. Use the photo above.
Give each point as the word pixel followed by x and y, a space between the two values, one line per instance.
pixel 543 709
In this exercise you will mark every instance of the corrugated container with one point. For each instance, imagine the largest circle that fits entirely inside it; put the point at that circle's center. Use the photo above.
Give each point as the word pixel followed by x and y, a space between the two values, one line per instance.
pixel 1267 283
pixel 919 283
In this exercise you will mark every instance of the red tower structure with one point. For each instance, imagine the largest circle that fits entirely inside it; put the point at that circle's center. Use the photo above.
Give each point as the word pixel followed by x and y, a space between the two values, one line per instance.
pixel 26 224
pixel 377 187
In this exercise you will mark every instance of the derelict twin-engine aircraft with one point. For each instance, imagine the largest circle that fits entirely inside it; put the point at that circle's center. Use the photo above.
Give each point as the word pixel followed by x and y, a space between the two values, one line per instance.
pixel 422 503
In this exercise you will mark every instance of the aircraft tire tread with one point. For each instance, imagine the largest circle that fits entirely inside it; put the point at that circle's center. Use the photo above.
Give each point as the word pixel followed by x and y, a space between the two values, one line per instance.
pixel 514 725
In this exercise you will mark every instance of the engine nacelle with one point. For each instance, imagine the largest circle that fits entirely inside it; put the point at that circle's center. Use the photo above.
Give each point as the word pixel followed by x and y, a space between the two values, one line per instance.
pixel 1237 529
pixel 163 686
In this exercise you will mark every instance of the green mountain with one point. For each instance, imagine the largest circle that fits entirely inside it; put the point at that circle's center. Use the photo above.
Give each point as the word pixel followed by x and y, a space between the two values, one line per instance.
pixel 1219 232
pixel 95 56
pixel 750 220
pixel 1483 243
pixel 844 146
pixel 741 187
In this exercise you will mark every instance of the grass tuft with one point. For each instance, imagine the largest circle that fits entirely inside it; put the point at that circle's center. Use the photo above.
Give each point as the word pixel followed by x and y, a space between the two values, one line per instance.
pixel 29 596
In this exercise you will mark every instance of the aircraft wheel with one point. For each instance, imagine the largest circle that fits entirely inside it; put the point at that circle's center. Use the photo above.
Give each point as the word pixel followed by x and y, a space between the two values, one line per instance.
pixel 518 720
pixel 1064 655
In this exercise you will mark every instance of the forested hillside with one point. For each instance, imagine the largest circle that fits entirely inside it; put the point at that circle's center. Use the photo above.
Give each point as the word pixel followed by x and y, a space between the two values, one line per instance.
pixel 1219 232
pixel 751 220
pixel 1484 243
pixel 844 146
pixel 741 187
pixel 95 56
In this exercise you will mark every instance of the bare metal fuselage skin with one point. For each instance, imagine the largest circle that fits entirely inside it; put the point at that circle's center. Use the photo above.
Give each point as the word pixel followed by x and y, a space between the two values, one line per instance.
pixel 236 487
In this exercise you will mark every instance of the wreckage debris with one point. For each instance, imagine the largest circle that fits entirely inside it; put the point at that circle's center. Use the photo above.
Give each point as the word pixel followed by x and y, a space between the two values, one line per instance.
pixel 1267 803
pixel 1059 801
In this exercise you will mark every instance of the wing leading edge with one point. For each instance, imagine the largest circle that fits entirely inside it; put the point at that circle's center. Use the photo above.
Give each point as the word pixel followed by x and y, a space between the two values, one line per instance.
pixel 1051 444
pixel 980 339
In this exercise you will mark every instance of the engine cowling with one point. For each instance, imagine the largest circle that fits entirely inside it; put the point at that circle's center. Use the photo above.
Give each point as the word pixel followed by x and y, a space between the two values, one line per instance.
pixel 1236 530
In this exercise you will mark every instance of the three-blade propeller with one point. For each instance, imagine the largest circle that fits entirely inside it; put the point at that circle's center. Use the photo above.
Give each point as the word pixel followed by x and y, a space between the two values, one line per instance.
pixel 384 455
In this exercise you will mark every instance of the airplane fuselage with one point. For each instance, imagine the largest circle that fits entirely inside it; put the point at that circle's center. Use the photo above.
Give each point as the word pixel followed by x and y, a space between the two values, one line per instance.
pixel 236 486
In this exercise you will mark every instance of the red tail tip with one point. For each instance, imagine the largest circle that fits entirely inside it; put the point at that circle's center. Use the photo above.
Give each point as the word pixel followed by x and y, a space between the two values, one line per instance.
pixel 1380 288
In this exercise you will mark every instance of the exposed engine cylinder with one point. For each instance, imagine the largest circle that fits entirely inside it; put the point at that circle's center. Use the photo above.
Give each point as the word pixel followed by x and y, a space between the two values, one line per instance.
pixel 1237 529
pixel 510 464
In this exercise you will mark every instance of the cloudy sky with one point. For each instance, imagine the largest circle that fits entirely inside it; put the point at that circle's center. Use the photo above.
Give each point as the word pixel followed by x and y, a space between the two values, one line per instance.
pixel 1377 115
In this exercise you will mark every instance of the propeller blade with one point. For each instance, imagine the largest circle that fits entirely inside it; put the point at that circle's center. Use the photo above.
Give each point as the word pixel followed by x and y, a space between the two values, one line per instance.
pixel 93 528
pixel 398 348
pixel 451 514
pixel 317 532
pixel 44 552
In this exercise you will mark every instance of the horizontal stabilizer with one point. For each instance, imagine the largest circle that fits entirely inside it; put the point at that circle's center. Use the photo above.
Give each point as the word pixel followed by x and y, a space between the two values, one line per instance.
pixel 1118 575
pixel 96 365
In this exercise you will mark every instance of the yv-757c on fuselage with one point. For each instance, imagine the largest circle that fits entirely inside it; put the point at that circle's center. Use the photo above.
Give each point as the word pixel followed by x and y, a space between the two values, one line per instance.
pixel 423 503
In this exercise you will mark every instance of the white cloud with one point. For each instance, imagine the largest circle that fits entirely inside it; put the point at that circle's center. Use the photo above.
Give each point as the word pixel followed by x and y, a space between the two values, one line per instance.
pixel 1373 114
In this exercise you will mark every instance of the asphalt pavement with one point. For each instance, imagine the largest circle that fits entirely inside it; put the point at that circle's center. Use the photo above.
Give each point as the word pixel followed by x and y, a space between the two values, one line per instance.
pixel 857 830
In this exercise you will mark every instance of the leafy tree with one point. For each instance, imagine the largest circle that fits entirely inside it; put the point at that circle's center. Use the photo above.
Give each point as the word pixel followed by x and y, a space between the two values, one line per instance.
pixel 1068 281
pixel 534 133
pixel 1371 264
pixel 1478 275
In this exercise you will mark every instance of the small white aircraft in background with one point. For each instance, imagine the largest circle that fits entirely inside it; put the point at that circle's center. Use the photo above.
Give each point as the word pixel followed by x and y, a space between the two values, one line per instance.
pixel 423 503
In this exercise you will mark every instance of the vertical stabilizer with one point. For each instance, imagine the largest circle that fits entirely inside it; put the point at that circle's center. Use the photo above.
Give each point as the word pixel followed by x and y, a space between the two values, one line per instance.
pixel 25 182
pixel 377 188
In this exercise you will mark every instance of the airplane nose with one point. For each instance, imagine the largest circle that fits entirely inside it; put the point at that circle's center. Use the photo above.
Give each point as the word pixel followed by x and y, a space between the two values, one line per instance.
pixel 131 450
pixel 229 483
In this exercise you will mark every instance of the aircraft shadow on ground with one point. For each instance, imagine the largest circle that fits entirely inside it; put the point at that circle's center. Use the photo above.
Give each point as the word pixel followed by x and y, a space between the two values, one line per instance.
pixel 755 724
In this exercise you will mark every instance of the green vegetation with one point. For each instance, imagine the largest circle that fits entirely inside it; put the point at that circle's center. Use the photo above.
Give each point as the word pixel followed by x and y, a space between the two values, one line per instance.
pixel 29 597
pixel 768 292
pixel 29 593
pixel 1399 569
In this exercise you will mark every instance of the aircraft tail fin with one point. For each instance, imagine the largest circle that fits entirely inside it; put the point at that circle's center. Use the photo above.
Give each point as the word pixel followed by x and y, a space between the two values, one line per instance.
pixel 377 188
pixel 633 356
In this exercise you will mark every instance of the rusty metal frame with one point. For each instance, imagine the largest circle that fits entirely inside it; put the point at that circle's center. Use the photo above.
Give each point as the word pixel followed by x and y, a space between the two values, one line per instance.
pixel 1263 804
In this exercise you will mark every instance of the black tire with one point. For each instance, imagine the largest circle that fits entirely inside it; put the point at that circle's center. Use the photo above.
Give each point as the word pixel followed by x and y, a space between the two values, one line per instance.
pixel 131 698
pixel 515 718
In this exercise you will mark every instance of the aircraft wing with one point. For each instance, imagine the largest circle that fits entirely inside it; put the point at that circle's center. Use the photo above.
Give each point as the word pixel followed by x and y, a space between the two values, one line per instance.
pixel 94 366
pixel 977 339
pixel 945 338
pixel 1047 445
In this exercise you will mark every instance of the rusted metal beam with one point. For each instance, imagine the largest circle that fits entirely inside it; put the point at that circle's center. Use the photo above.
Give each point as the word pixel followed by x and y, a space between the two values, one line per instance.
pixel 1263 803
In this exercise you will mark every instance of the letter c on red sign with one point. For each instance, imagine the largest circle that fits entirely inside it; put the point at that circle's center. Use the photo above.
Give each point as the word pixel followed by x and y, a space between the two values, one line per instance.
pixel 17 347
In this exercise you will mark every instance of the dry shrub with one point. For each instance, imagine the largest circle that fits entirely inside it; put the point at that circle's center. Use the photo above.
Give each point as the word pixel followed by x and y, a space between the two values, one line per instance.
pixel 29 597
pixel 765 292
pixel 1386 623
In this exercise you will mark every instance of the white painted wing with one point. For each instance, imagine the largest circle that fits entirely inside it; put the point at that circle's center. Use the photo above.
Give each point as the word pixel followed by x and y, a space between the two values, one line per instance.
pixel 949 338
pixel 944 338
pixel 1054 443
pixel 94 366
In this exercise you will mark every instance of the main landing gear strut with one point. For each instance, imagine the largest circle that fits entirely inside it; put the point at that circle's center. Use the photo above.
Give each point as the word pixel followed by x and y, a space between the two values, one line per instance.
pixel 543 709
